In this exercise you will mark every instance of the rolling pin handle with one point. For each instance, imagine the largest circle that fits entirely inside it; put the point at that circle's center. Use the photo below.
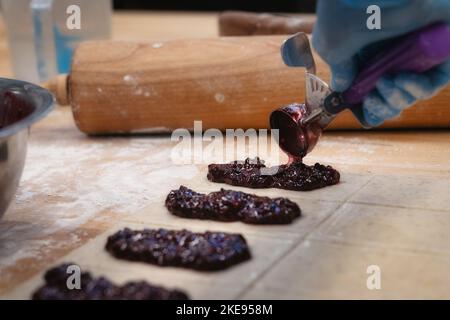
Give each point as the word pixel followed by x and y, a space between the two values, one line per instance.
pixel 59 87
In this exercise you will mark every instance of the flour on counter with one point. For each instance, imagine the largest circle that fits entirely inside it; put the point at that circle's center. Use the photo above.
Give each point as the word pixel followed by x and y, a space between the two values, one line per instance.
pixel 77 181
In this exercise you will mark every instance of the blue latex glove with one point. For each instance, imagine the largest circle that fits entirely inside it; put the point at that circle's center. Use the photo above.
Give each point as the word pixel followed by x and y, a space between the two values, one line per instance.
pixel 342 39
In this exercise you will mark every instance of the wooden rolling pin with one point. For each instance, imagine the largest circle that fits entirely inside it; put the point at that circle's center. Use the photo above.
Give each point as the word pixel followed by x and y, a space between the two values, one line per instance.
pixel 239 23
pixel 229 82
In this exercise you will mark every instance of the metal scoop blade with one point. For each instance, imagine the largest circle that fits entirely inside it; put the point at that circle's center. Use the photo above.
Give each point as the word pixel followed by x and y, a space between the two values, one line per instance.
pixel 296 52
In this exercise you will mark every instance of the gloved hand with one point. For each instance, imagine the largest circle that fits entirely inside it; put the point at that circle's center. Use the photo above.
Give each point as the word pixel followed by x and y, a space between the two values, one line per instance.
pixel 343 40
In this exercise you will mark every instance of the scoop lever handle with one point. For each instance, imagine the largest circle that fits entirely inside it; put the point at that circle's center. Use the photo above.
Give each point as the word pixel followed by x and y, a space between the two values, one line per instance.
pixel 417 52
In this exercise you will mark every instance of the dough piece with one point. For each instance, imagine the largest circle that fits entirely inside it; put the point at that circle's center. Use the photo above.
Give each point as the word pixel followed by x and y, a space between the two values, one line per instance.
pixel 253 173
pixel 55 288
pixel 229 205
pixel 179 248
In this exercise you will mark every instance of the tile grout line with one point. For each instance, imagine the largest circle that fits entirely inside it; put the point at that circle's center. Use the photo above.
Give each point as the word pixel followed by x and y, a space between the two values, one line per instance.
pixel 298 242
pixel 375 246
pixel 398 207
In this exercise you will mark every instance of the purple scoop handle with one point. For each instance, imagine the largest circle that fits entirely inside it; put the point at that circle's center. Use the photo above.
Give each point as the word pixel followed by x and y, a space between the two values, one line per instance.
pixel 416 52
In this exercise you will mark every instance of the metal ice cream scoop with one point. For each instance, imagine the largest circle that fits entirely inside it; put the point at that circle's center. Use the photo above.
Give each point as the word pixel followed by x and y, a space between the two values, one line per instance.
pixel 300 126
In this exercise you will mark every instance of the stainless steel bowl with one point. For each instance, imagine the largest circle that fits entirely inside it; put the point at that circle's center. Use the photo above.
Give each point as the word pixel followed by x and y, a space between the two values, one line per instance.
pixel 21 105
